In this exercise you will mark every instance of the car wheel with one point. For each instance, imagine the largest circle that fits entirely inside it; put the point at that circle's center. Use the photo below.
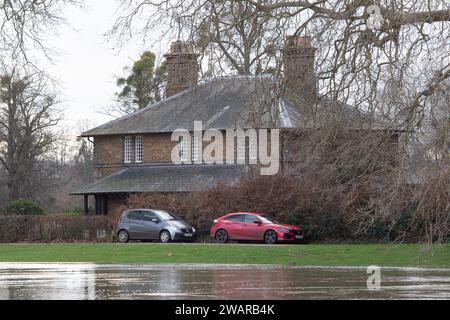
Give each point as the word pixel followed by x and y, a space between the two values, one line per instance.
pixel 123 236
pixel 221 236
pixel 164 236
pixel 270 237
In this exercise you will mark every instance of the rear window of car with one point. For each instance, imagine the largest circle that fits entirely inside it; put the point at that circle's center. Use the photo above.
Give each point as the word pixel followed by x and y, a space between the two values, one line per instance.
pixel 236 218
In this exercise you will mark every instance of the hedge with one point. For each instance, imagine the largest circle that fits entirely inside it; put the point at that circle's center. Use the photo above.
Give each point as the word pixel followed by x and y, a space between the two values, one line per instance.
pixel 56 228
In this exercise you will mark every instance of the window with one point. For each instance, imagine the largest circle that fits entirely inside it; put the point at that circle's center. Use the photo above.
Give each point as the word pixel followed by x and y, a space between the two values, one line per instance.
pixel 253 151
pixel 249 218
pixel 195 148
pixel 267 219
pixel 236 218
pixel 183 150
pixel 138 148
pixel 128 153
pixel 241 149
pixel 148 216
pixel 165 215
pixel 133 215
pixel 142 215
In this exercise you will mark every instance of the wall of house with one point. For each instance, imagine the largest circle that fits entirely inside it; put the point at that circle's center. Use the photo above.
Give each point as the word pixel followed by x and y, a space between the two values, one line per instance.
pixel 157 148
pixel 109 152
pixel 115 205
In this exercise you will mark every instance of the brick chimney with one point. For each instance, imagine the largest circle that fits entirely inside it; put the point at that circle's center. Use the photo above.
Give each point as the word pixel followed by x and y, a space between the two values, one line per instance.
pixel 182 67
pixel 298 61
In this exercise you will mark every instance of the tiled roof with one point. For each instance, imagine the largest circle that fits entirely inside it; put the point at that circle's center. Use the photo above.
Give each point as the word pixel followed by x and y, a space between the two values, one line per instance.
pixel 236 102
pixel 221 103
pixel 165 178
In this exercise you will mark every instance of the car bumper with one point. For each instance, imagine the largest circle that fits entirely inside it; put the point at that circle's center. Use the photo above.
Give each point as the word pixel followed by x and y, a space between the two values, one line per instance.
pixel 291 238
pixel 182 237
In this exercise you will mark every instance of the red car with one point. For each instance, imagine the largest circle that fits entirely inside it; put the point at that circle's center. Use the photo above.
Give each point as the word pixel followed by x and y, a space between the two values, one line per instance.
pixel 254 227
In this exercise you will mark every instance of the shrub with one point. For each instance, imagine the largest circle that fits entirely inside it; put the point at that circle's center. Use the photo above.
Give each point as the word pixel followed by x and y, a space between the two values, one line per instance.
pixel 55 228
pixel 22 207
pixel 319 225
pixel 324 208
pixel 285 198
pixel 265 194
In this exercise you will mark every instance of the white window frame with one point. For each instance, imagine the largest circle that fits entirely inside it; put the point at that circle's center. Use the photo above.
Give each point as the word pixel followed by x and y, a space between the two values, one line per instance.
pixel 195 148
pixel 139 148
pixel 183 150
pixel 128 149
pixel 241 149
pixel 253 151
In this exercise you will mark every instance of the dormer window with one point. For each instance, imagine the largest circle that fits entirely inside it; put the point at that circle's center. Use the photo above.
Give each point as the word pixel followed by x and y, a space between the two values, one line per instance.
pixel 128 151
pixel 139 147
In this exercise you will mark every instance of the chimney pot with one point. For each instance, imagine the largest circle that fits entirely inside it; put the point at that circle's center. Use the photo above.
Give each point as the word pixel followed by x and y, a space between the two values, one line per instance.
pixel 299 41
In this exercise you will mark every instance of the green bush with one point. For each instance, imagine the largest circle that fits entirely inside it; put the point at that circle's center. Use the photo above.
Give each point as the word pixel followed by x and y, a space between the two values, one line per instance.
pixel 22 207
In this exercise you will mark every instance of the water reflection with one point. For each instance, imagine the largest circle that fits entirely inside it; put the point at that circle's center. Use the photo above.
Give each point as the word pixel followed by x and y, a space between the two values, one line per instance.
pixel 90 281
pixel 54 281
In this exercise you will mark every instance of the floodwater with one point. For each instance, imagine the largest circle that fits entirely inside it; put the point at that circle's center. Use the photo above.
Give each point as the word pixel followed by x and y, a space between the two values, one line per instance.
pixel 198 281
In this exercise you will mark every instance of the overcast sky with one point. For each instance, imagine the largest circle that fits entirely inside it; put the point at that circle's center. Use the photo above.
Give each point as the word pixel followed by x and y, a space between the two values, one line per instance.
pixel 87 63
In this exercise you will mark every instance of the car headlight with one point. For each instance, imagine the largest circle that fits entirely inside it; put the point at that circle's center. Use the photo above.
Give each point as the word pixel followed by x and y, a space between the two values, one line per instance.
pixel 193 229
pixel 172 230
pixel 285 230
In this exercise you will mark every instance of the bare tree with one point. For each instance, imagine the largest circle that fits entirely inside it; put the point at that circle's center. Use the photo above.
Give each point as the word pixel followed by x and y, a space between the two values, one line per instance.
pixel 229 35
pixel 27 118
pixel 439 125
pixel 83 160
pixel 237 33
pixel 24 23
pixel 404 49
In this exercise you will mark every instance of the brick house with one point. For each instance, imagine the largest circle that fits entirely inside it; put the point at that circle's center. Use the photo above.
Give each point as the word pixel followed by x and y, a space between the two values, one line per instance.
pixel 133 153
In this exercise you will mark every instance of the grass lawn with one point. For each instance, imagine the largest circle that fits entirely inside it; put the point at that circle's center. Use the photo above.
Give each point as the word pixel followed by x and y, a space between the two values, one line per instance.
pixel 416 255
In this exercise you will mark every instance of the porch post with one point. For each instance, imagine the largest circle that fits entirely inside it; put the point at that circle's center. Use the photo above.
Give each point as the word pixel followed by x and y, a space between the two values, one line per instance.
pixel 105 209
pixel 86 204
pixel 97 204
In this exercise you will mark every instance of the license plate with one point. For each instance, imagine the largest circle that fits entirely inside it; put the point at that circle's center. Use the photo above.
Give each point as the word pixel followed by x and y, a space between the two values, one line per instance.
pixel 188 234
pixel 298 237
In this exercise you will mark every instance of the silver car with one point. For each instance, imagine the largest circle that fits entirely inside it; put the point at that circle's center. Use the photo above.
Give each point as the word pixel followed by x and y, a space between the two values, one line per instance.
pixel 149 224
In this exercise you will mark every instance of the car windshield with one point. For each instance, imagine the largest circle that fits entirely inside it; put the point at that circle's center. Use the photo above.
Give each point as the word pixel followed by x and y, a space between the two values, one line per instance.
pixel 165 215
pixel 267 219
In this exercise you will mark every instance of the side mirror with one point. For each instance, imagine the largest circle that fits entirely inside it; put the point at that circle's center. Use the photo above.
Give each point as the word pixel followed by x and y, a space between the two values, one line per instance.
pixel 257 222
pixel 155 220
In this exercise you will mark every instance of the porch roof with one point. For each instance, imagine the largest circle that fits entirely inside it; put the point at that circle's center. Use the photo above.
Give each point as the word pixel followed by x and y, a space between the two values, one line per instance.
pixel 164 178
